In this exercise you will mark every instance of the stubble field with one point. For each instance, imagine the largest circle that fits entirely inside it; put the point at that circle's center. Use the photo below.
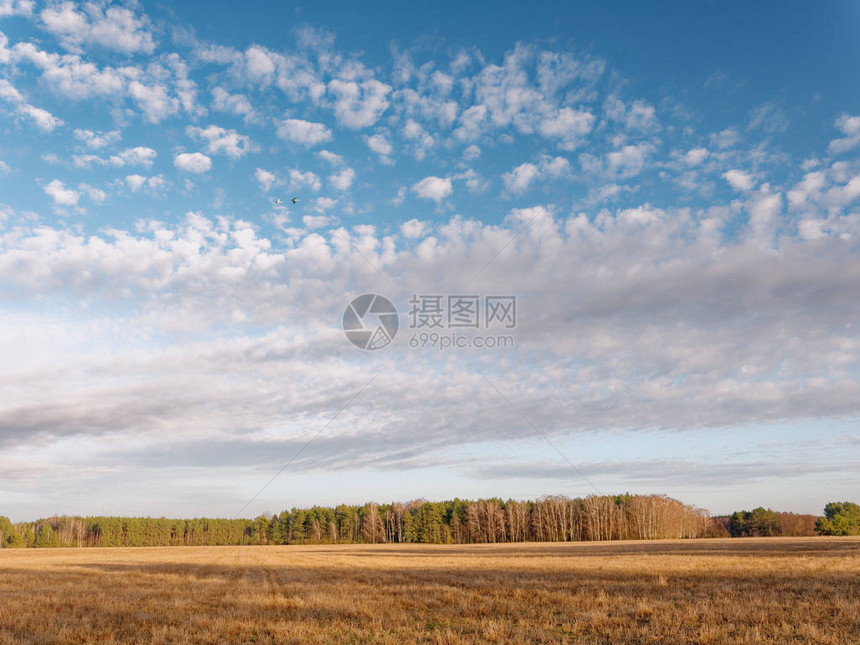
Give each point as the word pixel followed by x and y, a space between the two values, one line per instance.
pixel 695 591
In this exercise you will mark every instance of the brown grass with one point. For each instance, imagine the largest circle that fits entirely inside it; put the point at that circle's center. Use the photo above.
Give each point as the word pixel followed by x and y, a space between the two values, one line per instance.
pixel 697 591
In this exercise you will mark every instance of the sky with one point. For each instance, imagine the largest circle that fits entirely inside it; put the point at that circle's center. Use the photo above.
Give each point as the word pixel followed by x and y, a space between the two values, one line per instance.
pixel 669 194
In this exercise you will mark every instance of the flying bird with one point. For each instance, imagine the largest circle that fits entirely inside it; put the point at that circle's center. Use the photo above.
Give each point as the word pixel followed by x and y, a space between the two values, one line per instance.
pixel 277 202
pixel 295 199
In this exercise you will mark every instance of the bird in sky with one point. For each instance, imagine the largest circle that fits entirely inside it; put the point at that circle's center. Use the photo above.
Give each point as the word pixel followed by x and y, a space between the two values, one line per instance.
pixel 295 199
pixel 277 202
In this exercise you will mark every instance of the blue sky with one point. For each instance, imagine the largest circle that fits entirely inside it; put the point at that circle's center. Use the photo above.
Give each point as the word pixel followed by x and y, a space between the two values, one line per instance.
pixel 671 192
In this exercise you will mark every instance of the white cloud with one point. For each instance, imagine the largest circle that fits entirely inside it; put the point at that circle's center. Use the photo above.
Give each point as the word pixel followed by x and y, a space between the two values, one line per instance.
pixel 259 65
pixel 325 203
pixel 154 184
pixel 307 179
pixel 330 157
pixel 569 126
pixel 97 140
pixel 472 122
pixel 137 156
pixel 312 222
pixel 768 117
pixel 358 104
pixel 695 156
pixel 95 194
pixel 399 198
pixel 520 178
pixel 237 104
pixel 343 179
pixel 629 161
pixel 414 228
pixel 114 28
pixel 9 93
pixel 739 180
pixel 379 144
pixel 725 139
pixel 135 182
pixel 266 179
pixel 16 8
pixel 194 162
pixel 44 120
pixel 61 195
pixel 154 100
pixel 306 133
pixel 471 153
pixel 74 78
pixel 764 208
pixel 850 127
pixel 220 140
pixel 435 188
pixel 737 338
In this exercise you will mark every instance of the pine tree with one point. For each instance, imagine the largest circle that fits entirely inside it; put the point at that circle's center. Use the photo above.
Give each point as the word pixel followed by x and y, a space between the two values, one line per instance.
pixel 46 538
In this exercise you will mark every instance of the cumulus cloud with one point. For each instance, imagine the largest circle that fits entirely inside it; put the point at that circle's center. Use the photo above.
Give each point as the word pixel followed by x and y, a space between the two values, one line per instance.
pixel 193 162
pixel 137 156
pixel 342 180
pixel 624 163
pixel 306 133
pixel 435 188
pixel 44 120
pixel 259 65
pixel 520 179
pixel 95 195
pixel 16 8
pixel 380 144
pixel 413 228
pixel 724 139
pixel 695 156
pixel 358 104
pixel 114 28
pixel 325 203
pixel 221 140
pixel 330 157
pixel 238 104
pixel 306 179
pixel 137 182
pixel 72 77
pixel 61 195
pixel 471 153
pixel 97 140
pixel 154 100
pixel 850 127
pixel 266 179
pixel 569 126
pixel 739 180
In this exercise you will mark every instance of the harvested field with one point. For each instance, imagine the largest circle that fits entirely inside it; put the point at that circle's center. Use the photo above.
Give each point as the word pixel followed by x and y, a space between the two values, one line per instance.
pixel 694 591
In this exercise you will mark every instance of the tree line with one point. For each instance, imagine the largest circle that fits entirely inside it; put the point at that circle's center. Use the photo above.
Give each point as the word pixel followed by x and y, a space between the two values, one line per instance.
pixel 764 522
pixel 550 519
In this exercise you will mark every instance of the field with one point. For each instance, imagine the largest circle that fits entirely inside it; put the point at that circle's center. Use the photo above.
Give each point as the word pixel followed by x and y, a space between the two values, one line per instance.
pixel 696 591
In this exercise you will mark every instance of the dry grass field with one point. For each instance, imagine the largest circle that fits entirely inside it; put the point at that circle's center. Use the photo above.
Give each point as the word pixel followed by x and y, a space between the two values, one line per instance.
pixel 698 591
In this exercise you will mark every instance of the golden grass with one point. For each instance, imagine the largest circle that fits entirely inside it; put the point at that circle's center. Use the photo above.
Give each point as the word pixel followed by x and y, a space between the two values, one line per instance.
pixel 697 591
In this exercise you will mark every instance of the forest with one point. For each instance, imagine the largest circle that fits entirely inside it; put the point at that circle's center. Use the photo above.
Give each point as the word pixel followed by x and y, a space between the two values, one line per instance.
pixel 550 519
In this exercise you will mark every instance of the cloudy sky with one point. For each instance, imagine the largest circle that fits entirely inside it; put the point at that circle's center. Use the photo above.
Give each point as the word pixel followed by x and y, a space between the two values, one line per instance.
pixel 672 194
